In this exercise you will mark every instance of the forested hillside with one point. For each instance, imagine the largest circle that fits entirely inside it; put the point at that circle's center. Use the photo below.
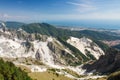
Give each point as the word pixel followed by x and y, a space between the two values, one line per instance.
pixel 8 71
pixel 47 29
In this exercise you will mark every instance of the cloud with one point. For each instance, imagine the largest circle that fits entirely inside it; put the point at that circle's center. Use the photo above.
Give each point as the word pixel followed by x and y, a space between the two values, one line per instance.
pixel 104 15
pixel 87 16
pixel 83 6
pixel 6 16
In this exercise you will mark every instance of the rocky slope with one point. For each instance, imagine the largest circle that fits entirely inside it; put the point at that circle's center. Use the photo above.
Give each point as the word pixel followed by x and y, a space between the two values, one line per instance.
pixel 41 52
pixel 86 46
pixel 106 64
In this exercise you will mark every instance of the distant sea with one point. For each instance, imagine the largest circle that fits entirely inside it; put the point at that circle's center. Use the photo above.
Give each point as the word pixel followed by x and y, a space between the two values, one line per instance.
pixel 102 24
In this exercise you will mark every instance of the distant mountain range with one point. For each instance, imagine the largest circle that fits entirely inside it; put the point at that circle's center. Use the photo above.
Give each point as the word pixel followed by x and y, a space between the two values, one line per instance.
pixel 14 25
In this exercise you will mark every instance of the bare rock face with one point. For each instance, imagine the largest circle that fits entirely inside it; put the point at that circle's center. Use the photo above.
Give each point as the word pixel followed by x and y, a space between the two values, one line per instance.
pixel 106 64
pixel 57 52
pixel 29 46
pixel 86 46
pixel 37 55
pixel 60 54
pixel 3 26
pixel 49 50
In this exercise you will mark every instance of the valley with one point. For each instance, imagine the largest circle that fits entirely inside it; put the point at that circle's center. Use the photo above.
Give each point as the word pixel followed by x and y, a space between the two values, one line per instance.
pixel 59 39
pixel 43 51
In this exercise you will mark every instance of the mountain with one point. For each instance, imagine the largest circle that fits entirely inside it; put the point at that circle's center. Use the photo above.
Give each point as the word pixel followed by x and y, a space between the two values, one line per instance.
pixel 13 24
pixel 47 29
pixel 108 63
pixel 42 52
pixel 86 46
pixel 99 35
pixel 40 48
pixel 64 34
pixel 15 44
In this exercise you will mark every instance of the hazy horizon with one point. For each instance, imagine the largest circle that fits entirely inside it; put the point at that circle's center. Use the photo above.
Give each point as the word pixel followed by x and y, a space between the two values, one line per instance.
pixel 63 12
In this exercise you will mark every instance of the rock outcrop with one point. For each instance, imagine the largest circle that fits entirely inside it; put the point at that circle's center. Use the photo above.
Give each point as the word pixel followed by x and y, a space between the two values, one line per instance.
pixel 106 64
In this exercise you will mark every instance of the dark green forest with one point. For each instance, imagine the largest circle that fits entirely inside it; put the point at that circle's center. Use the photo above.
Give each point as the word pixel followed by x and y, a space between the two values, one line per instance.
pixel 8 71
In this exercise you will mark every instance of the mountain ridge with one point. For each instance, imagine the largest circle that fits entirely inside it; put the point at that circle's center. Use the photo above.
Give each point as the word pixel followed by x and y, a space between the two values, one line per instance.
pixel 37 47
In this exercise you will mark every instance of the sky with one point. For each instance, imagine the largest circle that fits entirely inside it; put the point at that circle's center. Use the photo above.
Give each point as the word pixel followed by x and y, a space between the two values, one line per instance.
pixel 59 10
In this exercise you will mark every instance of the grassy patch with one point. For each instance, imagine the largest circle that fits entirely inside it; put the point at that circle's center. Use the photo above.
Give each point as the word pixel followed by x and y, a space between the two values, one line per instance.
pixel 24 68
pixel 104 78
pixel 114 76
pixel 47 76
pixel 50 74
pixel 72 73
